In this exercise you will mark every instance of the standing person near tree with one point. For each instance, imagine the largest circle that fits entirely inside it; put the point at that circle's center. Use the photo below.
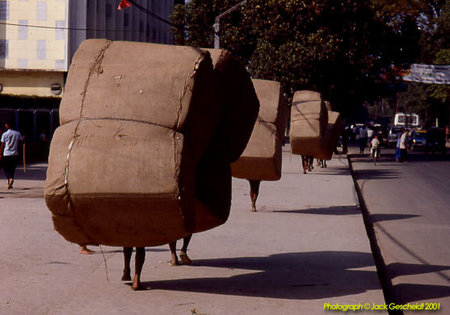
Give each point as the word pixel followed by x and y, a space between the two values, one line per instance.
pixel 9 152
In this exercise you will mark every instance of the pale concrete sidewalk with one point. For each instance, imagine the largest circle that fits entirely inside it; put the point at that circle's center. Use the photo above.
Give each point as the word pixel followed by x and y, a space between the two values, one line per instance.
pixel 306 246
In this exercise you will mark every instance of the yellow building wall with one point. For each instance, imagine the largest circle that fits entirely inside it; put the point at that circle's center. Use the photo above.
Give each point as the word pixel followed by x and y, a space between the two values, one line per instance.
pixel 23 53
pixel 30 83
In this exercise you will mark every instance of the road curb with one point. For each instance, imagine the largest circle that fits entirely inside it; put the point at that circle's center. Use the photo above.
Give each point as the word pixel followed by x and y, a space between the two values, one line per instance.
pixel 385 280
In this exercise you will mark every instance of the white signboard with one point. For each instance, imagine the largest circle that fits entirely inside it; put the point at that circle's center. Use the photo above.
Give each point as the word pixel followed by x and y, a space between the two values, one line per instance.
pixel 433 74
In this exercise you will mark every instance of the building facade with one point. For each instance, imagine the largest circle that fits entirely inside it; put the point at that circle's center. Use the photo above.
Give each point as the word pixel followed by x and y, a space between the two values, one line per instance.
pixel 39 37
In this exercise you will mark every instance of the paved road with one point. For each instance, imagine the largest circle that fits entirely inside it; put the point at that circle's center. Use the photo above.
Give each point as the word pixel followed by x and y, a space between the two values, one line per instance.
pixel 409 207
pixel 306 246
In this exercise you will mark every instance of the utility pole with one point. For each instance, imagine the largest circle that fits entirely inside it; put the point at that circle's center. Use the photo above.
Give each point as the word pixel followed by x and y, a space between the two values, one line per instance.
pixel 216 25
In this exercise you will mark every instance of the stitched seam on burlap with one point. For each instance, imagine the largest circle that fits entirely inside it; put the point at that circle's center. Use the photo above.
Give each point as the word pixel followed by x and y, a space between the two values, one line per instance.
pixel 119 119
pixel 177 124
pixel 96 67
pixel 306 118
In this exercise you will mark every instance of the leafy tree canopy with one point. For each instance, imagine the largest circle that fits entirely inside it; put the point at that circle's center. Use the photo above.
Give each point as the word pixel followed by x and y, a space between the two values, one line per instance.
pixel 338 47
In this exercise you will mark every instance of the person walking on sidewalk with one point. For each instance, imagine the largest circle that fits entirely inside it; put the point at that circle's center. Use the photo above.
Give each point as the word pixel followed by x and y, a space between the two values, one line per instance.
pixel 183 252
pixel 139 263
pixel 375 149
pixel 9 152
pixel 362 140
pixel 404 146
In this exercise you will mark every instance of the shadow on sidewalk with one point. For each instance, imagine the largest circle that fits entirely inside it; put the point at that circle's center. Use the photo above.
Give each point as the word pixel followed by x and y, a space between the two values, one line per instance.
pixel 313 275
pixel 379 217
pixel 336 210
pixel 33 172
pixel 408 293
pixel 376 174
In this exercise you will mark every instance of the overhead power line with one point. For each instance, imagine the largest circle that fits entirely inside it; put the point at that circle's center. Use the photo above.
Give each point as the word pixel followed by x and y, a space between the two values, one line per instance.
pixel 67 28
pixel 143 9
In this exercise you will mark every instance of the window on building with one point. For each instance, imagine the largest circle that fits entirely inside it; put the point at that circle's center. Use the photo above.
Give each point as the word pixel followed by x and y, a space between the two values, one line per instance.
pixel 23 29
pixel 3 48
pixel 4 10
pixel 41 49
pixel 22 63
pixel 41 11
pixel 60 30
pixel 60 64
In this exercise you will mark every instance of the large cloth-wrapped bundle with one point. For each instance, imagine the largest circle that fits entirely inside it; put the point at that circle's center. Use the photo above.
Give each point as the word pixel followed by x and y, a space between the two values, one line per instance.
pixel 239 109
pixel 332 133
pixel 126 164
pixel 309 119
pixel 240 102
pixel 261 159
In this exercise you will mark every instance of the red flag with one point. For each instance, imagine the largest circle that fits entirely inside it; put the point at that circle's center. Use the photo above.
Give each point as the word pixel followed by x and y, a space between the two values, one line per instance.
pixel 123 4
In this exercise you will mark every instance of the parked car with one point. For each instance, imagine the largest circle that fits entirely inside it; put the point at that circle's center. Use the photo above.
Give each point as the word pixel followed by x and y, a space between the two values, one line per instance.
pixel 435 140
pixel 418 139
pixel 393 135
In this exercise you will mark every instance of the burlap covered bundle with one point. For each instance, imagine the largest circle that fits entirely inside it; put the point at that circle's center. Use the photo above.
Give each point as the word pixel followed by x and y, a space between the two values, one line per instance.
pixel 239 109
pixel 130 164
pixel 309 119
pixel 261 159
pixel 332 133
pixel 240 103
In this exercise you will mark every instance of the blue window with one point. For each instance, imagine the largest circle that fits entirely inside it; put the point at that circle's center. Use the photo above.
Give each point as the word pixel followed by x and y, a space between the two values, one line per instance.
pixel 41 49
pixel 3 48
pixel 23 29
pixel 4 10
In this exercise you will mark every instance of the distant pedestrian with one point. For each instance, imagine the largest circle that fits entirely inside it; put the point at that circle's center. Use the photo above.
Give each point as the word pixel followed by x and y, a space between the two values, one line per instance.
pixel 321 163
pixel 183 252
pixel 254 192
pixel 43 143
pixel 369 134
pixel 397 150
pixel 375 149
pixel 307 163
pixel 9 152
pixel 404 146
pixel 362 140
pixel 346 133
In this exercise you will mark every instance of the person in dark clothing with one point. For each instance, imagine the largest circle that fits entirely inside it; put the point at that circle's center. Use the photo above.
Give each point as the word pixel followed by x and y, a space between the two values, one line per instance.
pixel 139 263
pixel 9 152
pixel 183 252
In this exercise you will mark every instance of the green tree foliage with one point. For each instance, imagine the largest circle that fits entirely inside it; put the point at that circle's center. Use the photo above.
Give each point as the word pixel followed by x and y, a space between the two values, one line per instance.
pixel 338 47
pixel 424 32
pixel 333 46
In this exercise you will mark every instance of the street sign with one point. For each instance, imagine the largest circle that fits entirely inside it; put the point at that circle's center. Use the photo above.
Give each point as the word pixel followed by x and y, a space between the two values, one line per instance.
pixel 433 74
